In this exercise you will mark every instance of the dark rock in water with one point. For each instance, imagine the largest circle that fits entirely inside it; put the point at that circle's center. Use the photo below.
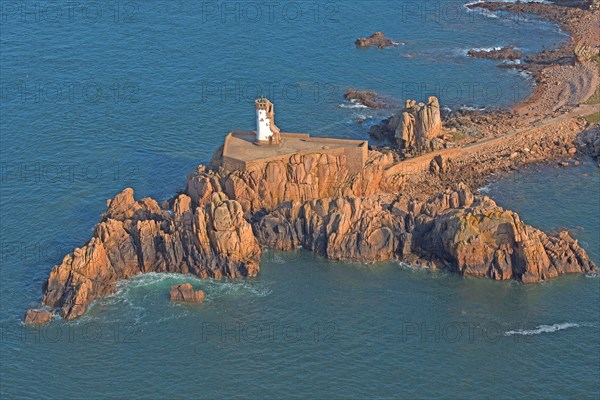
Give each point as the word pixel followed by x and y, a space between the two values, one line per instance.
pixel 377 39
pixel 37 317
pixel 185 292
pixel 366 98
pixel 503 53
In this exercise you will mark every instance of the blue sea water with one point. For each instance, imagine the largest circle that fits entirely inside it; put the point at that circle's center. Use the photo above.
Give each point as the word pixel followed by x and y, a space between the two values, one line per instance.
pixel 100 96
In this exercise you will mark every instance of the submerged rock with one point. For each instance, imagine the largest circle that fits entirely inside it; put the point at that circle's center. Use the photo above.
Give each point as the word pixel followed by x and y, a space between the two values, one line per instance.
pixel 185 292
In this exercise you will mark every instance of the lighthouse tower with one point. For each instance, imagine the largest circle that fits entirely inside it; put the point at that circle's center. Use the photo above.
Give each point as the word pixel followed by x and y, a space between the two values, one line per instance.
pixel 266 130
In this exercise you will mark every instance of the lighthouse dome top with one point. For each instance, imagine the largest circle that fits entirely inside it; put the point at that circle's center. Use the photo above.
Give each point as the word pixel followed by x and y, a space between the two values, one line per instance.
pixel 262 103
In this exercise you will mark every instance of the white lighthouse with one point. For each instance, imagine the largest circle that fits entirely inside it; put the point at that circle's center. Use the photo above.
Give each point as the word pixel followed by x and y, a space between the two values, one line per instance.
pixel 266 130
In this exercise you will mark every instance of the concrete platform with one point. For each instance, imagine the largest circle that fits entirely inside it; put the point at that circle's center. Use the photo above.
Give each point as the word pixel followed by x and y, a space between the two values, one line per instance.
pixel 240 151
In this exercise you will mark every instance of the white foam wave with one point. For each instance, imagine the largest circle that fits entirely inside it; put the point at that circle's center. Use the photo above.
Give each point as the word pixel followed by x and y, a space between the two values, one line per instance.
pixel 135 294
pixel 412 267
pixel 542 329
pixel 216 288
pixel 525 1
pixel 471 108
pixel 485 189
pixel 487 49
pixel 492 14
pixel 353 105
pixel 153 278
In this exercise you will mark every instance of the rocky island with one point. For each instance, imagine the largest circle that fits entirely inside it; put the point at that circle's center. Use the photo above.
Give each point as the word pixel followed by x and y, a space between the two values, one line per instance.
pixel 314 197
pixel 377 39
pixel 416 202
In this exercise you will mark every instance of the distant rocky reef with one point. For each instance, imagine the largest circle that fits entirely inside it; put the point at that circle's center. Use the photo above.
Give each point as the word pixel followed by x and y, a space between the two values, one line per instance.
pixel 502 53
pixel 377 39
pixel 367 98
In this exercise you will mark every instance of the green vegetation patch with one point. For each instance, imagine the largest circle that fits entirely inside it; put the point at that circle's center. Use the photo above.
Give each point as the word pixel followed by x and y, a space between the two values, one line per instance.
pixel 593 118
pixel 595 99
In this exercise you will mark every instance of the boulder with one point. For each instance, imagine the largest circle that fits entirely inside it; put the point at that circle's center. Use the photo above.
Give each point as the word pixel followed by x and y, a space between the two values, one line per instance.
pixel 185 292
pixel 438 165
pixel 37 317
pixel 414 128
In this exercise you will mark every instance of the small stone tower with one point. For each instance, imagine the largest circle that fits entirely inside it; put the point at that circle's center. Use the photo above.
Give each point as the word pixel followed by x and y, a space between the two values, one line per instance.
pixel 266 130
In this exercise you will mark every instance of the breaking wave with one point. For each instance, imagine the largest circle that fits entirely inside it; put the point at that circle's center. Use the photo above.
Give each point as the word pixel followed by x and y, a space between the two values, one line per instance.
pixel 471 108
pixel 542 329
pixel 492 14
pixel 353 105
pixel 138 296
pixel 485 189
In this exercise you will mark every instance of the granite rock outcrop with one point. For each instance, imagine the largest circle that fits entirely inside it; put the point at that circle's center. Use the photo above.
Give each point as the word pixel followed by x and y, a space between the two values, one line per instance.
pixel 207 233
pixel 414 128
pixel 456 231
pixel 134 237
pixel 301 177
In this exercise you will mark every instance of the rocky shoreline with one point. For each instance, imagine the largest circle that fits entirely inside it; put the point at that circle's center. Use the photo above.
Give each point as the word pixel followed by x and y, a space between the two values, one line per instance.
pixel 411 208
